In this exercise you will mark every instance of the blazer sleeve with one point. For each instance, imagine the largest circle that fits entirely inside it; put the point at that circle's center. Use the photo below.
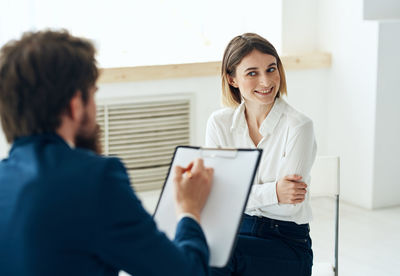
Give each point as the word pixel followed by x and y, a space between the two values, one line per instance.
pixel 127 237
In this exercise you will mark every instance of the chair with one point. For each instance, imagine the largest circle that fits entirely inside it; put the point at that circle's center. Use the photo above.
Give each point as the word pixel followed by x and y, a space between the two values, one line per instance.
pixel 325 181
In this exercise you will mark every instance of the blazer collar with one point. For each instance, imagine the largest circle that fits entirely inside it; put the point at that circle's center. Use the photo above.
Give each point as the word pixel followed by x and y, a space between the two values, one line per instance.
pixel 47 137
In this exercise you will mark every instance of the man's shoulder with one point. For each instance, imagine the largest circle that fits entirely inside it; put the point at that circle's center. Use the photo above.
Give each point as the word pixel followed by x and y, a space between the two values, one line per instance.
pixel 75 164
pixel 94 163
pixel 89 156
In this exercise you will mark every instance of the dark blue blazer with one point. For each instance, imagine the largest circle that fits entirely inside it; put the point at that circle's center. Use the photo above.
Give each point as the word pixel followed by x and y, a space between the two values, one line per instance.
pixel 67 211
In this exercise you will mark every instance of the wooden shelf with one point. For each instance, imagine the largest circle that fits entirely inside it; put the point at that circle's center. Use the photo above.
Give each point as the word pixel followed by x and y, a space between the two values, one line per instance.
pixel 188 70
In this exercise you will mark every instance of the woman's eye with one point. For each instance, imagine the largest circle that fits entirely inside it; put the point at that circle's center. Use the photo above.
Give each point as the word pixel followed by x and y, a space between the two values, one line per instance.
pixel 270 70
pixel 251 74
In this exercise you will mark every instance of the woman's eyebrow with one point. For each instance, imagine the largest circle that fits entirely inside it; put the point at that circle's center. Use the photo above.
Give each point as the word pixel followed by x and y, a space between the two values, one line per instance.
pixel 255 68
pixel 251 69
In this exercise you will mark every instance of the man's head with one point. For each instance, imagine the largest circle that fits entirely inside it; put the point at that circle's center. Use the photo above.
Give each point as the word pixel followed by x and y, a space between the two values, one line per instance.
pixel 40 75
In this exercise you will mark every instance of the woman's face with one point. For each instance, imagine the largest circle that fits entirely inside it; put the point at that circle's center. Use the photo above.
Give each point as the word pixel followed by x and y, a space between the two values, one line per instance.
pixel 258 79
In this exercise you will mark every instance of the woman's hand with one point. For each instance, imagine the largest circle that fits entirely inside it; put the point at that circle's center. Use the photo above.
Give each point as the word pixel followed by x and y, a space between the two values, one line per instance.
pixel 291 190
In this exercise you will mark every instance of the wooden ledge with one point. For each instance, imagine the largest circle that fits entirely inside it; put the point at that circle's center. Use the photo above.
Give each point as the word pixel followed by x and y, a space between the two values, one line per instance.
pixel 188 70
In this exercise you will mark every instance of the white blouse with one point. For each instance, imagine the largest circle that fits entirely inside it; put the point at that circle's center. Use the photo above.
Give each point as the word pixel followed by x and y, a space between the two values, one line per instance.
pixel 288 145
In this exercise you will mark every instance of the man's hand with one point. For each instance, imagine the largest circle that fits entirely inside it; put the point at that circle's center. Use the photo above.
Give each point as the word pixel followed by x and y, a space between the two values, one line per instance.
pixel 291 190
pixel 192 187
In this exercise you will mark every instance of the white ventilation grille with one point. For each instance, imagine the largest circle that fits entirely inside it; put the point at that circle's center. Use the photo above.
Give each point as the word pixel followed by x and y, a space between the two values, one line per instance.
pixel 144 135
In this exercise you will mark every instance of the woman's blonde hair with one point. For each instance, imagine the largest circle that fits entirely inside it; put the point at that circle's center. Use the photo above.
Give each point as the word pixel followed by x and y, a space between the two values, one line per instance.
pixel 239 47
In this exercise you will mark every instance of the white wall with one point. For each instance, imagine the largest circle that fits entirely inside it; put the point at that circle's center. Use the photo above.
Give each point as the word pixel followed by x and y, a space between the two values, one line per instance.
pixel 381 9
pixel 363 97
pixel 299 31
pixel 386 191
pixel 307 89
pixel 351 87
pixel 307 92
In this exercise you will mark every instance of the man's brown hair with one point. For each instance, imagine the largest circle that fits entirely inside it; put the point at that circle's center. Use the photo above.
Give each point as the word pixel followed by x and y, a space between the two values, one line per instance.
pixel 39 74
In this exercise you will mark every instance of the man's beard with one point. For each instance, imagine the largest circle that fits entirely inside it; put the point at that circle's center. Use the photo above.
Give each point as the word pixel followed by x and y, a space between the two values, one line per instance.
pixel 89 139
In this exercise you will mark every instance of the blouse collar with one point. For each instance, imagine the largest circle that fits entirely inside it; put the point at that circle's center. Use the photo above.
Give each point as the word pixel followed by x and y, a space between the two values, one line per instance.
pixel 269 123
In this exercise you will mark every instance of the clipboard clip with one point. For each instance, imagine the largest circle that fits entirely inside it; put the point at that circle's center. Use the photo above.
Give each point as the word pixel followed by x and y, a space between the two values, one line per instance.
pixel 229 153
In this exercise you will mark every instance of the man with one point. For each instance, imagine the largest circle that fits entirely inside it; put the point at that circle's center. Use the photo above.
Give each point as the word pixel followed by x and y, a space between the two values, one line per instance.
pixel 65 210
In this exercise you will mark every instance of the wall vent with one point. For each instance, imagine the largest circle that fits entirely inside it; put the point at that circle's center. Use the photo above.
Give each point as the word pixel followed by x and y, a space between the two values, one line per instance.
pixel 144 135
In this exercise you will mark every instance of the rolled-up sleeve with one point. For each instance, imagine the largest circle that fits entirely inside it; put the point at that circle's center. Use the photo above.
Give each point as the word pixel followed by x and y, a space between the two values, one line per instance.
pixel 300 152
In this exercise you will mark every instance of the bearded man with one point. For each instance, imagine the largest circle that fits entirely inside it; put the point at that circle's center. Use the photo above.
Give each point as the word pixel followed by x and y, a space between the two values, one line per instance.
pixel 64 208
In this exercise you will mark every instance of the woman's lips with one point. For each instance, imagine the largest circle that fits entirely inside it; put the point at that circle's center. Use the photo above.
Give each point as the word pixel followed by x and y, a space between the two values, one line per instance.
pixel 264 91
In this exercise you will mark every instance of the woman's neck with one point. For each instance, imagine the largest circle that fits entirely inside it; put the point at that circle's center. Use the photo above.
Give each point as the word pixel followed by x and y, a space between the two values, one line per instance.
pixel 256 114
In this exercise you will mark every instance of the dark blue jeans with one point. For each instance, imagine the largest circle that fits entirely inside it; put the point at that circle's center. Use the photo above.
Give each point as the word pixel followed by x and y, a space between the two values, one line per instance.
pixel 270 247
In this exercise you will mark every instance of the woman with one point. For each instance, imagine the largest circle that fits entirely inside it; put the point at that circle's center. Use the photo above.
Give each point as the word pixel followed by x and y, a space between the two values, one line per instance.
pixel 274 235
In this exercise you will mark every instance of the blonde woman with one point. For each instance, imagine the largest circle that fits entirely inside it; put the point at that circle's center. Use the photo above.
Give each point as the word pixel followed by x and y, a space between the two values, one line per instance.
pixel 274 236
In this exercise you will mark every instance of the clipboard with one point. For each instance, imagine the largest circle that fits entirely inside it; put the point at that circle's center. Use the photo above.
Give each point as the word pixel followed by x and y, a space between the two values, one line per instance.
pixel 234 173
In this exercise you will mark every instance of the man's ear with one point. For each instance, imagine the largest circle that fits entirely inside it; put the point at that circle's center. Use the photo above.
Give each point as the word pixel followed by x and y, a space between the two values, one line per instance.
pixel 76 107
pixel 232 81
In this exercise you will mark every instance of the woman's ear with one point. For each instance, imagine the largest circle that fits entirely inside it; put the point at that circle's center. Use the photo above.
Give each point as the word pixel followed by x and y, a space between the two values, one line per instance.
pixel 232 81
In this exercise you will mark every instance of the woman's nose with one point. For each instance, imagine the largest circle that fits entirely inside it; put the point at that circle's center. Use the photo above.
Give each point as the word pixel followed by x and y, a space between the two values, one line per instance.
pixel 264 80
